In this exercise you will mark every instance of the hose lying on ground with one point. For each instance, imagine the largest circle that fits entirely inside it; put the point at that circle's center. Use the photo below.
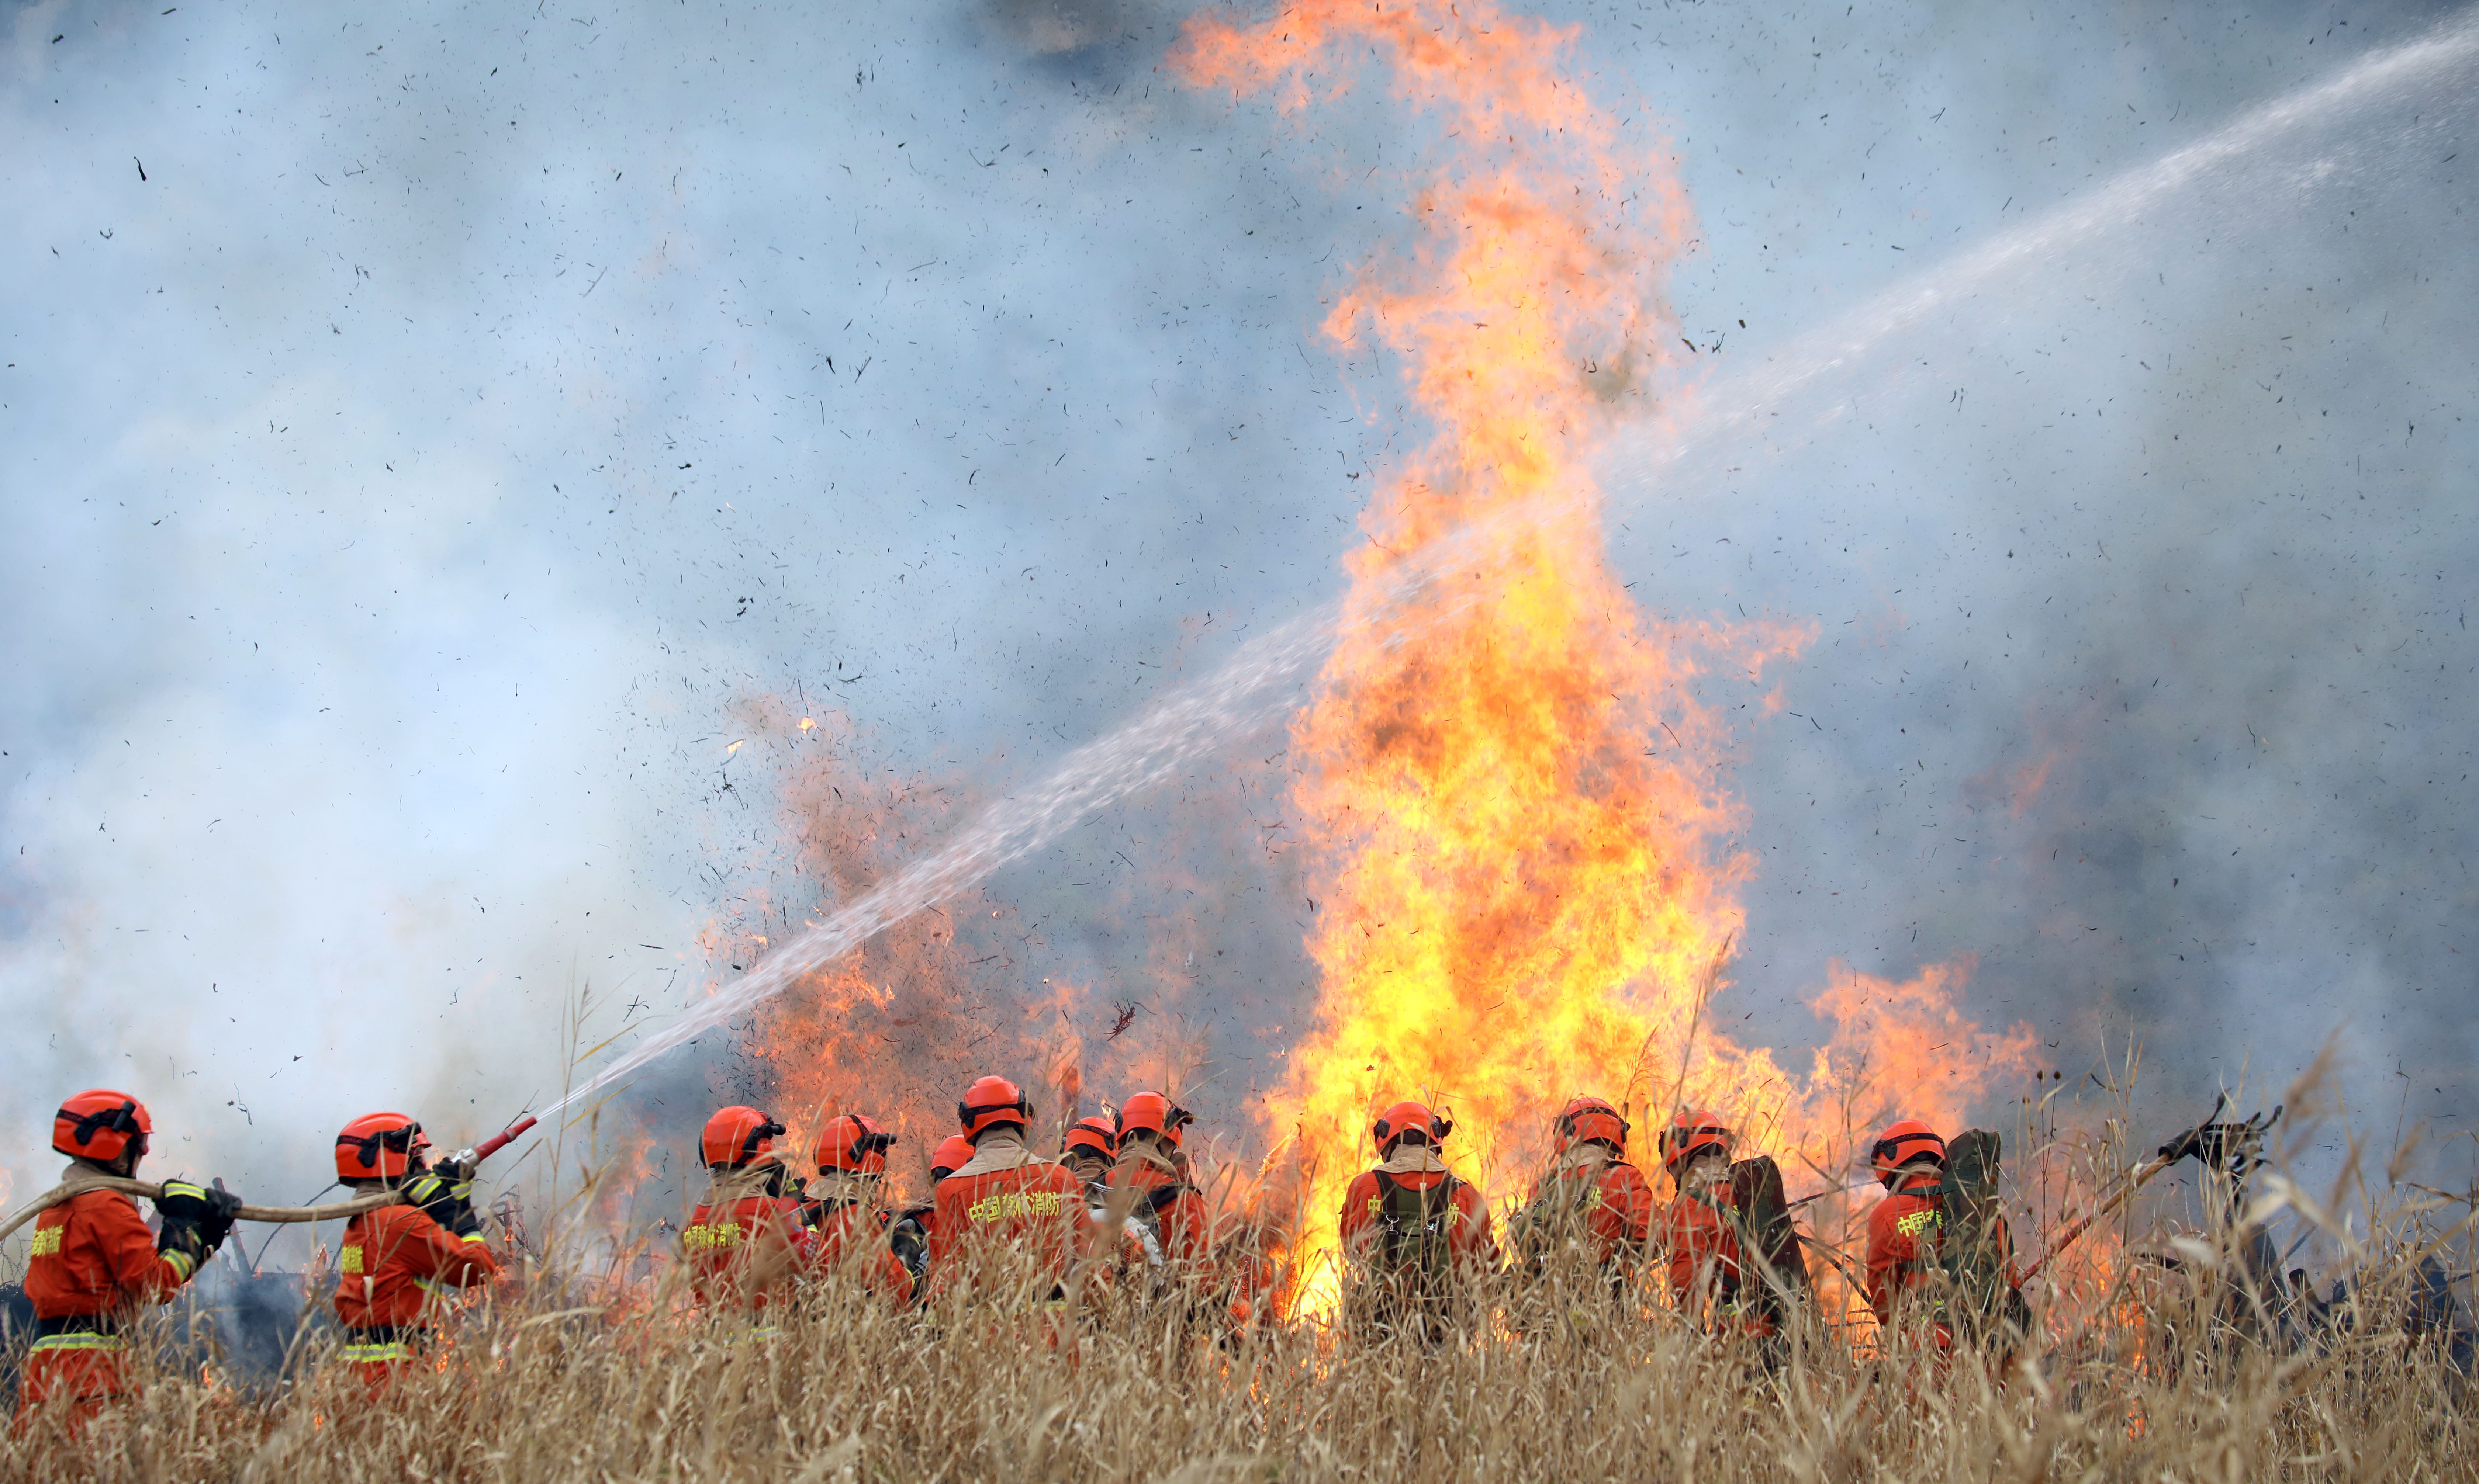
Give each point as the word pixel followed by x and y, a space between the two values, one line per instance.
pixel 333 1211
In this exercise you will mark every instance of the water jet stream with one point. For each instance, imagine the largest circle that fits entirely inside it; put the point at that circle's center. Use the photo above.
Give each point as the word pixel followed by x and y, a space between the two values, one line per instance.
pixel 1259 682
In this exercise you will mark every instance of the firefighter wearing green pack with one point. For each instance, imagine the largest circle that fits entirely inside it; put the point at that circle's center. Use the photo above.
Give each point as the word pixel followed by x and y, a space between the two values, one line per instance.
pixel 1938 1249
pixel 1416 1236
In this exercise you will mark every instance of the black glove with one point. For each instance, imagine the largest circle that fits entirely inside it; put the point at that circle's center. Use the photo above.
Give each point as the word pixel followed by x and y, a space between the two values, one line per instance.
pixel 446 1195
pixel 196 1220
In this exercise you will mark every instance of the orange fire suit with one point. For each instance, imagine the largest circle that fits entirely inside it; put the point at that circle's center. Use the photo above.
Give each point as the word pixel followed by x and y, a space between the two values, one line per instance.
pixel 394 1262
pixel 94 1266
pixel 1009 1202
pixel 1904 1231
pixel 850 1233
pixel 1707 1274
pixel 1618 1211
pixel 1469 1237
pixel 1180 1226
pixel 745 1252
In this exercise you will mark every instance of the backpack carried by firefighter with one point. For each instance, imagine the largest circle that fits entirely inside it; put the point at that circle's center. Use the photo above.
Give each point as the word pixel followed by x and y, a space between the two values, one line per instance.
pixel 1974 1250
pixel 1554 1218
pixel 1766 1236
pixel 1415 1231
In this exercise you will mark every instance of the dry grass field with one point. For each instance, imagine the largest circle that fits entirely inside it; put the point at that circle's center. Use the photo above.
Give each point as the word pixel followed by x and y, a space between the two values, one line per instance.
pixel 555 1378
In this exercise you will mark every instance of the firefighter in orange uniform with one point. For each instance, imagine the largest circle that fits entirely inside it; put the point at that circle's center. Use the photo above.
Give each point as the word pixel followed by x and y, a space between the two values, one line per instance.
pixel 1418 1236
pixel 847 1212
pixel 1904 1227
pixel 1591 1193
pixel 399 1262
pixel 909 1237
pixel 746 1241
pixel 1090 1149
pixel 1008 1216
pixel 1701 1230
pixel 1167 1209
pixel 94 1265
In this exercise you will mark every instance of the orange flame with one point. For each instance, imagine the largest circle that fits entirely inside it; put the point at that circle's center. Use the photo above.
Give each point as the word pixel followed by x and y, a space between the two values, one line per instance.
pixel 1525 888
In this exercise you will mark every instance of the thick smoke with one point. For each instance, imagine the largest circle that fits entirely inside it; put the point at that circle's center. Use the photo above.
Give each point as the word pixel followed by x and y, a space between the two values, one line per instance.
pixel 2142 576
pixel 418 473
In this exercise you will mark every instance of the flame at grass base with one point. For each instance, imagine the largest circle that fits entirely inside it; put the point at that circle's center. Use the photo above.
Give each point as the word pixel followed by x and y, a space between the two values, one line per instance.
pixel 1522 883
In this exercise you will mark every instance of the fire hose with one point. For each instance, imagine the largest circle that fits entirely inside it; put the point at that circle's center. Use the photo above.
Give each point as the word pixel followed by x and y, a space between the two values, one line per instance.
pixel 281 1215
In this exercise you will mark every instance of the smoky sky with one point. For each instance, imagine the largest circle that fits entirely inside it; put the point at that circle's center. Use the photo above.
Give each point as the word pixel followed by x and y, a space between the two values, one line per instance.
pixel 412 474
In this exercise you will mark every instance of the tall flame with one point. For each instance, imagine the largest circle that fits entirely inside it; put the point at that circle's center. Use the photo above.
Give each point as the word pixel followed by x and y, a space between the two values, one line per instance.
pixel 1524 891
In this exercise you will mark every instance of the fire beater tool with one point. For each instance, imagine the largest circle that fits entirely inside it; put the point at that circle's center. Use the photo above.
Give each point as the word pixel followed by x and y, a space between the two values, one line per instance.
pixel 2211 1143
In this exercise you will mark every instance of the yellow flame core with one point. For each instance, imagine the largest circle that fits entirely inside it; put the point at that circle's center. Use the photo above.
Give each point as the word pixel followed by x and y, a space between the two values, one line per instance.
pixel 1512 799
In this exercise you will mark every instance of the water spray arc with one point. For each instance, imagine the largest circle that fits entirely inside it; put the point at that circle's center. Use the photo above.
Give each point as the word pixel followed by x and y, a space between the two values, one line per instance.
pixel 1263 680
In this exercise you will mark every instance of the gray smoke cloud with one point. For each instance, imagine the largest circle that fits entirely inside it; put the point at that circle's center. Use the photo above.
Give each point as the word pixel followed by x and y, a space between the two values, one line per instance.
pixel 415 474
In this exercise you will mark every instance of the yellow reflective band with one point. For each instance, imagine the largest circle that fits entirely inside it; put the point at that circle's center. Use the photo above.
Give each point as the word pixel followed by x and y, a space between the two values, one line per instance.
pixel 475 1238
pixel 182 1264
pixel 383 1352
pixel 353 1259
pixel 47 1241
pixel 81 1341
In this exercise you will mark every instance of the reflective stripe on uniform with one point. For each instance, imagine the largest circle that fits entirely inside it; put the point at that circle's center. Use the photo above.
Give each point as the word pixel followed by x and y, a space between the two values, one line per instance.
pixel 83 1340
pixel 379 1353
pixel 182 1264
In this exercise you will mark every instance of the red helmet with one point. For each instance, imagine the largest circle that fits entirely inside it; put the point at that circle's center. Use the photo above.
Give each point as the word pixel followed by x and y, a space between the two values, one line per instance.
pixel 736 1136
pixel 1591 1120
pixel 854 1142
pixel 379 1146
pixel 1094 1136
pixel 954 1154
pixel 98 1123
pixel 1153 1111
pixel 991 1102
pixel 1409 1117
pixel 1902 1142
pixel 1693 1132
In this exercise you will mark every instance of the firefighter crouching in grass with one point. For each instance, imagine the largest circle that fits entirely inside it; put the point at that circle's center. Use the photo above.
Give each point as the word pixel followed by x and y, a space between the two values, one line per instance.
pixel 1416 1237
pixel 1091 1148
pixel 96 1267
pixel 1941 1256
pixel 746 1241
pixel 909 1237
pixel 1731 1252
pixel 399 1262
pixel 1592 1204
pixel 848 1212
pixel 1150 1181
pixel 1011 1225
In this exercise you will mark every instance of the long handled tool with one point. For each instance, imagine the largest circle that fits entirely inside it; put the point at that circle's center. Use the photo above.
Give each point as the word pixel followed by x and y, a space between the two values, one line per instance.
pixel 330 1212
pixel 2210 1142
